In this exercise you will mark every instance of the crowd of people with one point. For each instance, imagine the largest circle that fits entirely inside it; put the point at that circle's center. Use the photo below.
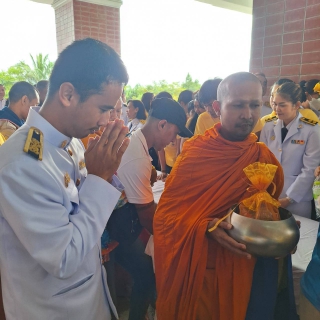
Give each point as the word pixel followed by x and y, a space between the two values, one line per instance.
pixel 77 166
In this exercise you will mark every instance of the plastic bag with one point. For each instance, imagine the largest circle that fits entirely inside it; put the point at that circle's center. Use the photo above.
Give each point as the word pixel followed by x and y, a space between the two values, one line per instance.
pixel 260 205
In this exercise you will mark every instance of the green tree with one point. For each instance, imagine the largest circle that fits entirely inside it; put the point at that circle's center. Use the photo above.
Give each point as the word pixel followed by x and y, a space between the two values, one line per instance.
pixel 40 69
pixel 189 84
pixel 173 88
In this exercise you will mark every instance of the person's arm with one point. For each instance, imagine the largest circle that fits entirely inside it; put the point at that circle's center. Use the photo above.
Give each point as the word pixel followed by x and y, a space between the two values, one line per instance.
pixel 146 213
pixel 311 158
pixel 58 234
pixel 57 225
pixel 135 176
pixel 162 160
pixel 221 236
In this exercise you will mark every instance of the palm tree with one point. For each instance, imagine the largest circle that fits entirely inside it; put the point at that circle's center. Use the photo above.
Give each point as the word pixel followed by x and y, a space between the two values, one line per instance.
pixel 40 69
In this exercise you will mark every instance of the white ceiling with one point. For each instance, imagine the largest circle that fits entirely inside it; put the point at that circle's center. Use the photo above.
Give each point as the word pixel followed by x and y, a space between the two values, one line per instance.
pixel 236 5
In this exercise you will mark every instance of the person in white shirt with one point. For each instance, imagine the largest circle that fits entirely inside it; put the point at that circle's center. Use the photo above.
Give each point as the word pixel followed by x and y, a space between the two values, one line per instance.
pixel 55 200
pixel 166 119
pixel 137 114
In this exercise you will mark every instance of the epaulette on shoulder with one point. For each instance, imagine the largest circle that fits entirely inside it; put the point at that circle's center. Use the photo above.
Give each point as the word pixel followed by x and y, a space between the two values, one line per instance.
pixel 34 143
pixel 308 121
pixel 271 119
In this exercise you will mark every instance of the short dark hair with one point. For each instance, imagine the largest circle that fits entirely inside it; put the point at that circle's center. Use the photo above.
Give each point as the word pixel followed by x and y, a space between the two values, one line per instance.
pixel 208 91
pixel 282 81
pixel 42 85
pixel 141 114
pixel 163 94
pixel 146 100
pixel 309 85
pixel 185 96
pixel 87 64
pixel 20 89
pixel 290 91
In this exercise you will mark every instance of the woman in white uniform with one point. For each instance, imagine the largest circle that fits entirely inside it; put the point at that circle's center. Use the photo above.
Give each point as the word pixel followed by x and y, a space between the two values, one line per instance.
pixel 137 114
pixel 295 141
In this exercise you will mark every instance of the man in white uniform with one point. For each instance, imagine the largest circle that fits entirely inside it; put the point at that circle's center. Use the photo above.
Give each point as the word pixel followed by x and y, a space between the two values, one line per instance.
pixel 54 200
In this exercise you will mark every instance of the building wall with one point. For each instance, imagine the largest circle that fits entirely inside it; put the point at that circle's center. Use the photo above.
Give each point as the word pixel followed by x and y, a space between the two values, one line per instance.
pixel 64 25
pixel 286 39
pixel 97 21
pixel 79 19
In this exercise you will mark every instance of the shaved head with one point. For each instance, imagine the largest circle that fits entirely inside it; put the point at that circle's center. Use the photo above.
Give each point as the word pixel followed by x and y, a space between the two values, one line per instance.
pixel 233 80
pixel 239 101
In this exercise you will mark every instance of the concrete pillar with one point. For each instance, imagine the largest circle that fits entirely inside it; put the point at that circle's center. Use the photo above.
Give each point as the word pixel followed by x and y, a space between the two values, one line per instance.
pixel 286 39
pixel 78 19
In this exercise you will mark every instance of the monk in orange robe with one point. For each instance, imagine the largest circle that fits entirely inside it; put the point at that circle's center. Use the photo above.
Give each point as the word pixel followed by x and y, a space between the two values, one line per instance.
pixel 202 275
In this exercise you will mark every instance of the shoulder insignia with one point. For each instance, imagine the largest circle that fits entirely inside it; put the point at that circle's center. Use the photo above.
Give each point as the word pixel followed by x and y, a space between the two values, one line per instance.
pixel 34 143
pixel 271 119
pixel 308 121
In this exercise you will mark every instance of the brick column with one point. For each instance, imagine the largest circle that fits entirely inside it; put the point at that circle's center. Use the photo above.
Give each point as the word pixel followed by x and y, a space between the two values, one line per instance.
pixel 78 19
pixel 286 39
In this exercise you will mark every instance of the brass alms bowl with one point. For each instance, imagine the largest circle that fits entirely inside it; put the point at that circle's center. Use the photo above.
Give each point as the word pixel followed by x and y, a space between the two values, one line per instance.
pixel 271 239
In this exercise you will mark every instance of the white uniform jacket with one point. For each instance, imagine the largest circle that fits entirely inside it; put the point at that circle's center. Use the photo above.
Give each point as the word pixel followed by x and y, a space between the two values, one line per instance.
pixel 299 155
pixel 52 215
pixel 134 125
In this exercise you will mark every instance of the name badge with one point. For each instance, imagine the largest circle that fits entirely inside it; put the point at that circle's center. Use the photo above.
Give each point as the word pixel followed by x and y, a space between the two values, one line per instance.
pixel 297 141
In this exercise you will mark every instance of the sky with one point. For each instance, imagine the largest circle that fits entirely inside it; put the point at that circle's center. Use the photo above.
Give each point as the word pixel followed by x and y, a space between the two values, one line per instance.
pixel 160 39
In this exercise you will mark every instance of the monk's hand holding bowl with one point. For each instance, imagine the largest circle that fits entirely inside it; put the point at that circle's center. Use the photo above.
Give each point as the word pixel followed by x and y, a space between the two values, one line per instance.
pixel 220 235
pixel 317 172
pixel 284 202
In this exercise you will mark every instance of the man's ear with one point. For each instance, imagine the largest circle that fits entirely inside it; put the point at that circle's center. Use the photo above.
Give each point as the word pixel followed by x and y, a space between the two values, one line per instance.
pixel 24 100
pixel 161 124
pixel 68 94
pixel 216 107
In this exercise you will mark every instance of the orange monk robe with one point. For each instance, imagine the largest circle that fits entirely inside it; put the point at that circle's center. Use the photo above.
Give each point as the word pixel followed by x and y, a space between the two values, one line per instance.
pixel 196 277
pixel 85 140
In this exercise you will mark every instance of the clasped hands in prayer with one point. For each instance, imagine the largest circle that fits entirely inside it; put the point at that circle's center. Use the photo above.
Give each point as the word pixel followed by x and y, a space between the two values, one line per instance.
pixel 104 153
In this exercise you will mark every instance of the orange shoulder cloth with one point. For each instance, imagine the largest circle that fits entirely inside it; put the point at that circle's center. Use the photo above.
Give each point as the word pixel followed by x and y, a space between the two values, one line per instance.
pixel 205 182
